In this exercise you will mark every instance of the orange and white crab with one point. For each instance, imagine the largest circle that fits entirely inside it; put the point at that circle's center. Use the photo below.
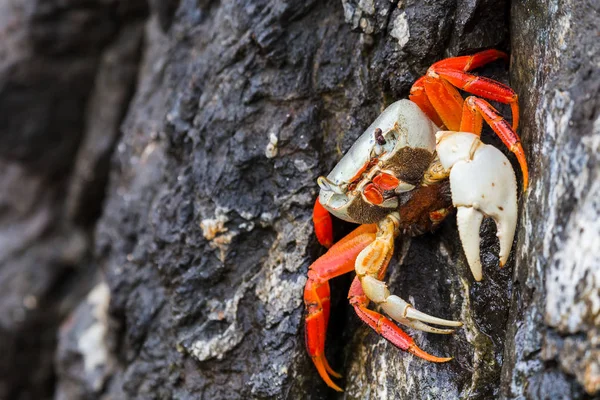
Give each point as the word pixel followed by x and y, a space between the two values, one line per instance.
pixel 419 159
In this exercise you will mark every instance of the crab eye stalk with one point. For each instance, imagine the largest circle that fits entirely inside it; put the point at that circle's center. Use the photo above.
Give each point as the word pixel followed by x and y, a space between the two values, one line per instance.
pixel 379 137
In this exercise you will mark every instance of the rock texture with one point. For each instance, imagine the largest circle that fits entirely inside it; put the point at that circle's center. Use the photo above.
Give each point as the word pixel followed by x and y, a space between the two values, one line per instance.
pixel 229 111
pixel 67 72
pixel 554 328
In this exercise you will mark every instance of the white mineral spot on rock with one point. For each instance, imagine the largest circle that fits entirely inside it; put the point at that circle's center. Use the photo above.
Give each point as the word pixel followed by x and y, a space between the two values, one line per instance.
pixel 271 150
pixel 280 295
pixel 148 150
pixel 348 11
pixel 92 343
pixel 30 302
pixel 217 346
pixel 246 215
pixel 366 25
pixel 246 226
pixel 368 6
pixel 267 217
pixel 301 165
pixel 400 30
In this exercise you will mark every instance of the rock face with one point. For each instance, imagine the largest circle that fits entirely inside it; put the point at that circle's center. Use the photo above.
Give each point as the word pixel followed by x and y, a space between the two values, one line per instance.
pixel 229 111
pixel 554 327
pixel 66 75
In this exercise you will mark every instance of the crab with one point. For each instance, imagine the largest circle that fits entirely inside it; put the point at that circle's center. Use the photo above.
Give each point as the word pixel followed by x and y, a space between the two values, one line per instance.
pixel 419 160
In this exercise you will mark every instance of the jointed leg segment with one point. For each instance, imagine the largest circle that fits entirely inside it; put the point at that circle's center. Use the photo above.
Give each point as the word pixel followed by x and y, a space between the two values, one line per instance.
pixel 437 95
pixel 385 327
pixel 337 261
pixel 368 250
pixel 370 267
pixel 468 63
pixel 475 110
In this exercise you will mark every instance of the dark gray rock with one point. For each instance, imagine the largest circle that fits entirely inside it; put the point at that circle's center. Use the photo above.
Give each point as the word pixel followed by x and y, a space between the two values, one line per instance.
pixel 52 63
pixel 206 235
pixel 553 347
pixel 229 112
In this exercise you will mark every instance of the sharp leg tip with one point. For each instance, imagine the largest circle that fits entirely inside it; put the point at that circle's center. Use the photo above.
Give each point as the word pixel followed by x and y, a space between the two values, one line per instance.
pixel 324 370
pixel 331 371
pixel 414 349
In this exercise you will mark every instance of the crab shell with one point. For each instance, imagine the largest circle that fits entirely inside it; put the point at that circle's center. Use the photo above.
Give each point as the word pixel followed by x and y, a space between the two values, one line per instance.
pixel 407 152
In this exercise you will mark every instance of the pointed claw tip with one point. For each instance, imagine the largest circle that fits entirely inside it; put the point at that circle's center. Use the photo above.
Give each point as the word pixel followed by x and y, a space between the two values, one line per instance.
pixel 414 314
pixel 478 276
pixel 523 164
pixel 335 374
pixel 331 371
pixel 414 349
pixel 322 369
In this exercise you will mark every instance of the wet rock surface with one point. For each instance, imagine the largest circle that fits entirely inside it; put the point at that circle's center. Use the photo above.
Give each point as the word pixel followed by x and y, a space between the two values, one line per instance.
pixel 229 111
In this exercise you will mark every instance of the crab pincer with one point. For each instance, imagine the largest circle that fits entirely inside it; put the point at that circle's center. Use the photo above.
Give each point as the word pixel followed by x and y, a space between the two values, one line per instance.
pixel 483 183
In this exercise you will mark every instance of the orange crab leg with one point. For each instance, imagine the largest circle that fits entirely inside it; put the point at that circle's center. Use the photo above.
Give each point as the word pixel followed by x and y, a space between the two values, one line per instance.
pixel 384 326
pixel 323 224
pixel 446 100
pixel 474 110
pixel 338 260
pixel 463 63
pixel 419 97
pixel 482 87
pixel 471 120
pixel 468 63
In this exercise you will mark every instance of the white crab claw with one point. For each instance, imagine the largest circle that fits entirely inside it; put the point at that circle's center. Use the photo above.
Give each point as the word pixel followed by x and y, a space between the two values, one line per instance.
pixel 401 311
pixel 469 220
pixel 482 182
